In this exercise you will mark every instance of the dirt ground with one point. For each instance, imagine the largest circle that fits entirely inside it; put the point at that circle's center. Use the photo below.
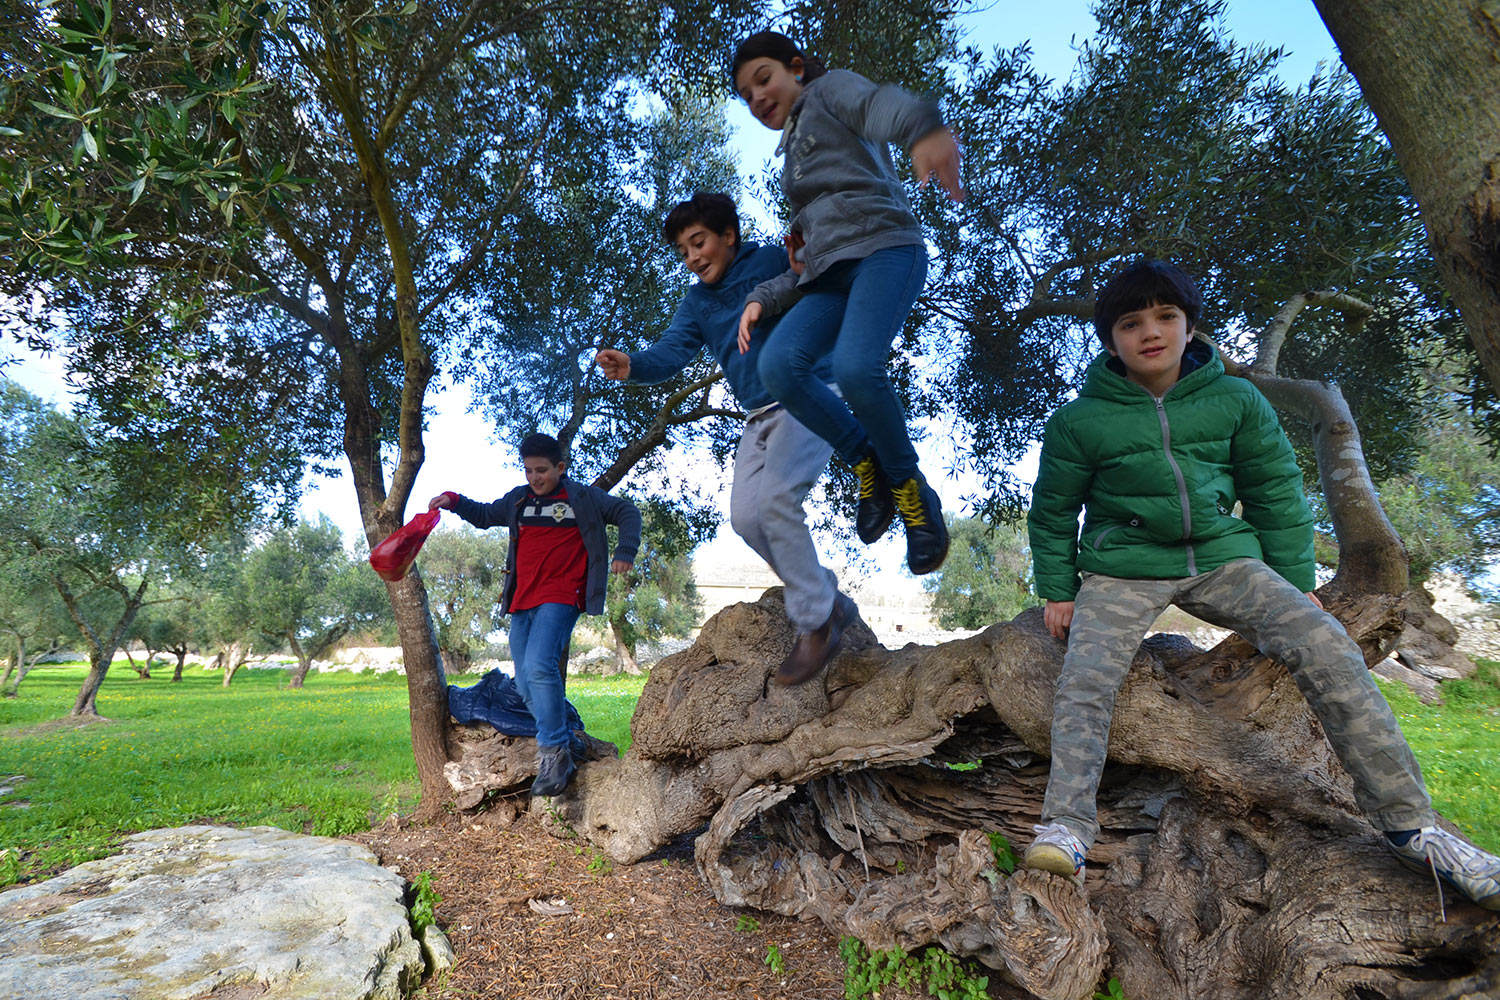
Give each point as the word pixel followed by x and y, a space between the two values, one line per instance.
pixel 648 931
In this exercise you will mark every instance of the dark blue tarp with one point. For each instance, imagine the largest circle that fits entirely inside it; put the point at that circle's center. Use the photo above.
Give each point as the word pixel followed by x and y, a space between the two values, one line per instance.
pixel 497 700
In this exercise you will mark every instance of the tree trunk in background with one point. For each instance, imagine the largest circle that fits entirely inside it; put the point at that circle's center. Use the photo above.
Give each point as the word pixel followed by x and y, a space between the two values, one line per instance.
pixel 456 661
pixel 181 653
pixel 1431 72
pixel 234 658
pixel 10 668
pixel 304 663
pixel 624 658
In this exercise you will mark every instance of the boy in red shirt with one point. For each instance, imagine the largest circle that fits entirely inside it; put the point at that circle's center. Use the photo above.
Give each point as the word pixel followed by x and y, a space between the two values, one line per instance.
pixel 554 571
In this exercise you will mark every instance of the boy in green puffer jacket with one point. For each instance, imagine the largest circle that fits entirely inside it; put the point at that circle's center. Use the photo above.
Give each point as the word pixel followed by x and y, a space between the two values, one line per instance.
pixel 1156 450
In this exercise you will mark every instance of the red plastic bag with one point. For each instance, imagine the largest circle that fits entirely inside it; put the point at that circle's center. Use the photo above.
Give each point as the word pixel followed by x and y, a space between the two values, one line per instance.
pixel 394 556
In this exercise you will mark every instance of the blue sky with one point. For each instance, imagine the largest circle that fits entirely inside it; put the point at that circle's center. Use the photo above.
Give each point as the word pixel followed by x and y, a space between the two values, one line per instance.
pixel 1054 28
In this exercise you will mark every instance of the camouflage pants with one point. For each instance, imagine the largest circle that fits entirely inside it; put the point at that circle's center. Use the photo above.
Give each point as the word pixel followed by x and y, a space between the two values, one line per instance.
pixel 1110 617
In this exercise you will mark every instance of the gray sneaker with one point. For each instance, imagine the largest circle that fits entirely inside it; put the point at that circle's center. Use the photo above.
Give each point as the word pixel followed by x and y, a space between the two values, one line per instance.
pixel 1453 860
pixel 554 769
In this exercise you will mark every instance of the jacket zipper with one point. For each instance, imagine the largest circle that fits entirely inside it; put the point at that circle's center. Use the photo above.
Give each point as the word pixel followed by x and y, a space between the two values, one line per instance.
pixel 1182 493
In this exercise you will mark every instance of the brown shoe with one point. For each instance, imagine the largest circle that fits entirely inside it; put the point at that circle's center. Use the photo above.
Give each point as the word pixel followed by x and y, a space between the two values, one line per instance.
pixel 812 651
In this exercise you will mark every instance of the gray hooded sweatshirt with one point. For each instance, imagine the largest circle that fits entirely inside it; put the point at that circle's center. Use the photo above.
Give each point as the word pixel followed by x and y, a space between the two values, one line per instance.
pixel 839 179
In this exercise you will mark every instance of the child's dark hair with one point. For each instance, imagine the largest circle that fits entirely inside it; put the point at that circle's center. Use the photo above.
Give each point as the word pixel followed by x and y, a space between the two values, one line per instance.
pixel 710 209
pixel 774 45
pixel 1145 283
pixel 542 446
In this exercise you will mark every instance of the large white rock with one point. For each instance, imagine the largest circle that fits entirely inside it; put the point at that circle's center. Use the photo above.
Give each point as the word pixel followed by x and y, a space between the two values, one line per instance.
pixel 181 913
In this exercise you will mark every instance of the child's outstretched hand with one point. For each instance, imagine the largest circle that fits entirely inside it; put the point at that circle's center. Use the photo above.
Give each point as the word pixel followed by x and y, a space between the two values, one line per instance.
pixel 1058 616
pixel 937 153
pixel 748 319
pixel 614 364
pixel 443 501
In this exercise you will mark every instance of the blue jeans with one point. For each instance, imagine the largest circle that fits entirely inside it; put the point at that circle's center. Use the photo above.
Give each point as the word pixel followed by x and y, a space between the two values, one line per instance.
pixel 853 312
pixel 539 640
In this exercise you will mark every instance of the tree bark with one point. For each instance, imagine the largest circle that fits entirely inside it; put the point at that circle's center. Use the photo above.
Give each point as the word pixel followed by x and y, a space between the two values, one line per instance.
pixel 234 658
pixel 1430 72
pixel 101 647
pixel 304 663
pixel 865 799
pixel 180 651
pixel 624 656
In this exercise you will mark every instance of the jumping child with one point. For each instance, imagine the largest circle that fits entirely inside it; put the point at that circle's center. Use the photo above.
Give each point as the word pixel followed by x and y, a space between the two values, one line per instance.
pixel 1156 450
pixel 778 459
pixel 858 262
pixel 554 570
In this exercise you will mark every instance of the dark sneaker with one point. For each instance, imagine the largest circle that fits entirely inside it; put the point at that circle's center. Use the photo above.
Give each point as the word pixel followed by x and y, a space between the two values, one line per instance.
pixel 877 508
pixel 926 534
pixel 1453 860
pixel 554 769
pixel 1056 850
pixel 812 650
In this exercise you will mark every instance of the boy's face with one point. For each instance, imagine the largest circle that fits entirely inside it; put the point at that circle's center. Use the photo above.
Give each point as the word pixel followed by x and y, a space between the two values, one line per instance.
pixel 542 475
pixel 706 253
pixel 1149 343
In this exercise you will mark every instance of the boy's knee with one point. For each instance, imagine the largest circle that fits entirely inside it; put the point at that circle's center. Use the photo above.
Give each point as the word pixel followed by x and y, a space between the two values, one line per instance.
pixel 858 375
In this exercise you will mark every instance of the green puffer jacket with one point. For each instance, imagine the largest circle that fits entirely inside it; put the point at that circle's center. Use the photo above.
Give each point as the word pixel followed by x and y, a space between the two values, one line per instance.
pixel 1158 478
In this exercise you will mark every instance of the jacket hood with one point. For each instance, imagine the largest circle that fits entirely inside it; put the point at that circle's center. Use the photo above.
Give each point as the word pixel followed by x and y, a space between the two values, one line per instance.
pixel 1106 377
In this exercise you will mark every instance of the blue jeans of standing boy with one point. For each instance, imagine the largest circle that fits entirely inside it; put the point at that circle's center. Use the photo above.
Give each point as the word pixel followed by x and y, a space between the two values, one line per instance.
pixel 539 638
pixel 854 311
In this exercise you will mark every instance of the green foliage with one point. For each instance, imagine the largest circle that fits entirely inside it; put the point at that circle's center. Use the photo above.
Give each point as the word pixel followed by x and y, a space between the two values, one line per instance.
pixel 1446 508
pixel 1169 140
pixel 867 973
pixel 303 591
pixel 747 924
pixel 775 961
pixel 658 597
pixel 425 902
pixel 1114 991
pixel 464 571
pixel 1005 858
pixel 986 578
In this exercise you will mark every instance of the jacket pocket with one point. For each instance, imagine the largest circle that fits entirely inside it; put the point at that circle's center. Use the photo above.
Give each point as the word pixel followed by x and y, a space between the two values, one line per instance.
pixel 1134 522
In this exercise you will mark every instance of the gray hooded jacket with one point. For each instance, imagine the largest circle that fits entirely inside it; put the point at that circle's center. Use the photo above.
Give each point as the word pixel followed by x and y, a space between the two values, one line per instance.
pixel 839 178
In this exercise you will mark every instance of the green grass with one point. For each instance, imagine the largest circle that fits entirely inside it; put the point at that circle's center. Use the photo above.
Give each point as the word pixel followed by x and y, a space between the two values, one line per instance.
pixel 327 760
pixel 1458 746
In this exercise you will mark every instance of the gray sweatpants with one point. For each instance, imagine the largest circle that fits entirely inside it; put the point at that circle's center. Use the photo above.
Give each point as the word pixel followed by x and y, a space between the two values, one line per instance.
pixel 1110 617
pixel 777 463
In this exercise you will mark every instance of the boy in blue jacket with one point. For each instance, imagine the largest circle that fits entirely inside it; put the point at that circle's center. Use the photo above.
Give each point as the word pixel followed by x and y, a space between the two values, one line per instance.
pixel 1156 450
pixel 554 570
pixel 778 459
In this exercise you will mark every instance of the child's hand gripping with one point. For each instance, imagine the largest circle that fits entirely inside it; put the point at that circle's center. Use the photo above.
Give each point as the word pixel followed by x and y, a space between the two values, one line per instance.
pixel 614 364
pixel 1058 617
pixel 748 319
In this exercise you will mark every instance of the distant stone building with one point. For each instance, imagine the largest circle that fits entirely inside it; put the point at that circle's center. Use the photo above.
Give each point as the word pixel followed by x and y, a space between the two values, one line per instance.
pixel 891 604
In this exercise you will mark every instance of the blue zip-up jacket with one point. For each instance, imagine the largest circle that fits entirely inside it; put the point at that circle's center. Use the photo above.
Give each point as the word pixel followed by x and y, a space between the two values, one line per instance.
pixel 709 316
pixel 592 507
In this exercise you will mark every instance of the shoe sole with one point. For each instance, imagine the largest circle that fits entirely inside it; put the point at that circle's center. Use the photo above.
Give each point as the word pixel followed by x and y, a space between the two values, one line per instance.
pixel 937 564
pixel 1422 868
pixel 1053 860
pixel 871 539
pixel 787 678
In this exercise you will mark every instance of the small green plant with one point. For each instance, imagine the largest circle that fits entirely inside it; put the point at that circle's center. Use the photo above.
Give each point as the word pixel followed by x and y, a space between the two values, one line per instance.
pixel 746 924
pixel 774 961
pixel 10 866
pixel 972 765
pixel 1005 858
pixel 424 906
pixel 599 864
pixel 1116 992
pixel 866 973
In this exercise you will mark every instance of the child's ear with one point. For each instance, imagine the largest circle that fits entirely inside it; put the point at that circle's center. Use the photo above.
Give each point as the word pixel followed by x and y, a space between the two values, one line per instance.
pixel 732 234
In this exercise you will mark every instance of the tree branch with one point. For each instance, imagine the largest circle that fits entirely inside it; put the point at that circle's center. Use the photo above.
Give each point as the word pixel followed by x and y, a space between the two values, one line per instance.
pixel 1273 337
